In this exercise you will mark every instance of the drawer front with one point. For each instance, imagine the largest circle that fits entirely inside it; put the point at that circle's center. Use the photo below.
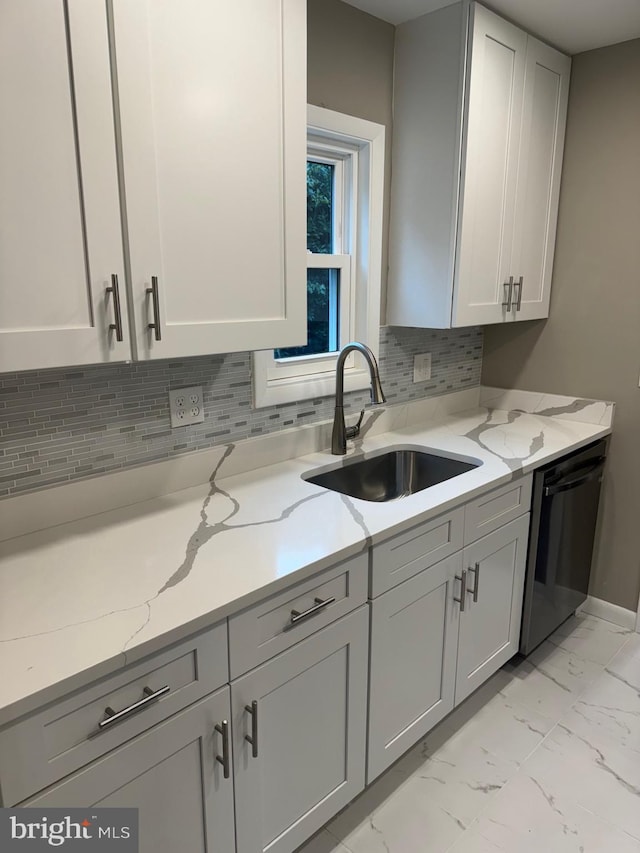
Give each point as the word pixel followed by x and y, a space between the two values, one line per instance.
pixel 498 507
pixel 170 774
pixel 408 553
pixel 270 627
pixel 42 748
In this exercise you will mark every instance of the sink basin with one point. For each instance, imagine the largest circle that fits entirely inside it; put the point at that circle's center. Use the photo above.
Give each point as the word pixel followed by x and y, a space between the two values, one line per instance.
pixel 391 474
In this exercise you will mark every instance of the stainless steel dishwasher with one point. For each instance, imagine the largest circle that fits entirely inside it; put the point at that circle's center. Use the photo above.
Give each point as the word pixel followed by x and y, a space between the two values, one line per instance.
pixel 564 510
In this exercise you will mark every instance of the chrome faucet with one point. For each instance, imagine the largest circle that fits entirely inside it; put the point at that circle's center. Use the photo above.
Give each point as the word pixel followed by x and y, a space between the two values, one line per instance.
pixel 341 432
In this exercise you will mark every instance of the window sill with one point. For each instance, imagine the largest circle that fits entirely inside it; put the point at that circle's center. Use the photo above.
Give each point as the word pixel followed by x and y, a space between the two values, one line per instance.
pixel 296 388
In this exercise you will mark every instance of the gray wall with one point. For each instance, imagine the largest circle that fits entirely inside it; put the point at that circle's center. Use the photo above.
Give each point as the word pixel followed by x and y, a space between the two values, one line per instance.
pixel 350 70
pixel 590 345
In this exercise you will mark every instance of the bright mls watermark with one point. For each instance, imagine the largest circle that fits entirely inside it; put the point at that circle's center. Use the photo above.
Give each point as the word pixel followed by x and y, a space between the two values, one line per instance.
pixel 103 830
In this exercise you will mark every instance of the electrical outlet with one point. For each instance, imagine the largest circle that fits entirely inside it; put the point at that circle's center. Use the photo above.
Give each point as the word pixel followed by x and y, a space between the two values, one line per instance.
pixel 422 367
pixel 185 406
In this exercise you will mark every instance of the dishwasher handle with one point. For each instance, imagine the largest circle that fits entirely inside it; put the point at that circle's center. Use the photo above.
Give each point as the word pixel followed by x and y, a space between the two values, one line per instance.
pixel 574 482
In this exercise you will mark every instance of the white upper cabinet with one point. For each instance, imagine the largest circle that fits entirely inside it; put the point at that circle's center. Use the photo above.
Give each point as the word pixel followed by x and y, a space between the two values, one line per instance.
pixel 178 125
pixel 60 233
pixel 494 119
pixel 546 90
pixel 479 123
pixel 212 102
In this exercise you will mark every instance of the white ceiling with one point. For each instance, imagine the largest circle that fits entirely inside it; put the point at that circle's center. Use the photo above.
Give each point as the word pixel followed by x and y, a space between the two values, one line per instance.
pixel 570 25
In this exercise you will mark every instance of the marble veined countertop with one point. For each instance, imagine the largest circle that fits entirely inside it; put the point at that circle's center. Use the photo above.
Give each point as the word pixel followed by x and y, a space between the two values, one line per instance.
pixel 82 599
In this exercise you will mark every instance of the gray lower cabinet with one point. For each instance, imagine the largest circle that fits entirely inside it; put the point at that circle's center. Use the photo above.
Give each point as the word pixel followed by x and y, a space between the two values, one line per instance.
pixel 296 742
pixel 414 640
pixel 489 631
pixel 438 636
pixel 171 775
pixel 299 736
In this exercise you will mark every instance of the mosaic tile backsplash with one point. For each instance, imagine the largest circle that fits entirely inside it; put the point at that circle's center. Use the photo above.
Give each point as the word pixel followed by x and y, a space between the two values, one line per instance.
pixel 62 425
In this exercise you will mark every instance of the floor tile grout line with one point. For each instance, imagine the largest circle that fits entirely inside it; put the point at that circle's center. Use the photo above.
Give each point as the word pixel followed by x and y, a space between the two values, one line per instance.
pixel 589 811
pixel 557 722
pixel 566 797
pixel 491 802
pixel 605 820
pixel 520 770
pixel 592 681
pixel 524 760
pixel 626 643
pixel 588 683
pixel 577 696
pixel 339 841
pixel 555 725
pixel 626 632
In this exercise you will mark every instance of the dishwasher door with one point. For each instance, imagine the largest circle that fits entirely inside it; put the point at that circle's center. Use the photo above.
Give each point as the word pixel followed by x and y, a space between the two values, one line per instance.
pixel 563 522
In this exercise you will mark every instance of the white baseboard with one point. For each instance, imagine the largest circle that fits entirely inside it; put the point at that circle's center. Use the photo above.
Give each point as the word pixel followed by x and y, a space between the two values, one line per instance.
pixel 610 613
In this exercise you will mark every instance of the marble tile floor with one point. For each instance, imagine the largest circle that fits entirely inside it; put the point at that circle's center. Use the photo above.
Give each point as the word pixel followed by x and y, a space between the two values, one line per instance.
pixel 544 758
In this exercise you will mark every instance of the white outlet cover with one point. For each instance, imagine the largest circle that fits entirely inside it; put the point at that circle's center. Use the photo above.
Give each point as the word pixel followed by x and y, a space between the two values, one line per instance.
pixel 185 406
pixel 422 367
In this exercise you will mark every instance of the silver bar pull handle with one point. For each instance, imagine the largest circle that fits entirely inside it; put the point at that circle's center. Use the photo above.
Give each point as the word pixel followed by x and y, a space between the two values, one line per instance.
pixel 223 730
pixel 509 294
pixel 117 313
pixel 518 284
pixel 476 583
pixel 253 737
pixel 117 716
pixel 592 473
pixel 463 589
pixel 319 605
pixel 155 301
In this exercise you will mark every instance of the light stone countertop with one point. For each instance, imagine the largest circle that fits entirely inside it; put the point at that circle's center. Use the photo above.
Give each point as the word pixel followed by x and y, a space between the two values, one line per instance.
pixel 83 599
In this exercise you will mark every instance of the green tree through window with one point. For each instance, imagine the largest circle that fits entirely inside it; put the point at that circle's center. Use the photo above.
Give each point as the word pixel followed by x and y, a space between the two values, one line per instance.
pixel 320 183
pixel 320 207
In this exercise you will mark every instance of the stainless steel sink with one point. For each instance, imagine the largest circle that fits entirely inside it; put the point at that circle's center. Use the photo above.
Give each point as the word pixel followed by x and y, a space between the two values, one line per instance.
pixel 392 474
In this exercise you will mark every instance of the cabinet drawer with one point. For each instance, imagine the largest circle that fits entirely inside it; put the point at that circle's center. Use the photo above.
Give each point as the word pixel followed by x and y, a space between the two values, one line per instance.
pixel 408 553
pixel 171 775
pixel 267 629
pixel 487 513
pixel 64 736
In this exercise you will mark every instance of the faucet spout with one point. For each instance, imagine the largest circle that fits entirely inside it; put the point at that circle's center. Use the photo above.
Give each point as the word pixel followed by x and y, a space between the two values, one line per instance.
pixel 340 432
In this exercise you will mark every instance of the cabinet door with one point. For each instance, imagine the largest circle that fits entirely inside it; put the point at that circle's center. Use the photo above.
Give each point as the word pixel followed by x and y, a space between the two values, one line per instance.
pixel 490 623
pixel 60 234
pixel 416 624
pixel 171 775
pixel 308 730
pixel 494 112
pixel 213 119
pixel 546 90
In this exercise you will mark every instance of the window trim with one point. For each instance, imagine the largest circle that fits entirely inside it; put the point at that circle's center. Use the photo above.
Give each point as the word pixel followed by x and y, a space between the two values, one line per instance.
pixel 366 142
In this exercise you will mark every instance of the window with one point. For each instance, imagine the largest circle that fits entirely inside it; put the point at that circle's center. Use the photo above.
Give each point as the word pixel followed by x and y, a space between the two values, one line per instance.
pixel 345 169
pixel 327 270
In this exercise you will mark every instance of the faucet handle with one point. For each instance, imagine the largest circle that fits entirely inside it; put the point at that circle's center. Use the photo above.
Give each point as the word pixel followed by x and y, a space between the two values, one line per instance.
pixel 354 431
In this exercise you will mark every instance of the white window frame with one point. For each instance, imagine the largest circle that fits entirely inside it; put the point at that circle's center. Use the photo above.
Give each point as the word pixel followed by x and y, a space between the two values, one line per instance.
pixel 359 145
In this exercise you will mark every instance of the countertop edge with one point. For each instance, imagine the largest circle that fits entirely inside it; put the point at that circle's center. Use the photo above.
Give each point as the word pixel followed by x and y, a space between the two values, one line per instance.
pixel 11 713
